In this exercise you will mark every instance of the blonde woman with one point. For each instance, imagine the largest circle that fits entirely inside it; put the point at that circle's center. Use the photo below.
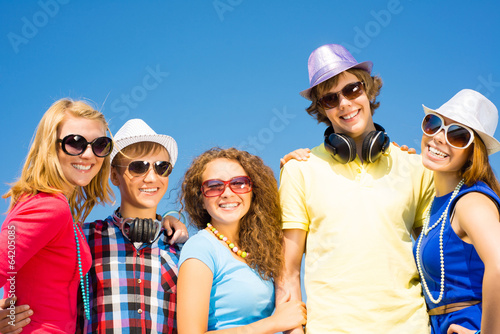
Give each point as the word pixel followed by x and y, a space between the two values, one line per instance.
pixel 44 256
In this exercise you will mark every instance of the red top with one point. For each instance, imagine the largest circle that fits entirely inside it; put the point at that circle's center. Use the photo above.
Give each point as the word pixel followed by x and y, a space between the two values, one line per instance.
pixel 39 264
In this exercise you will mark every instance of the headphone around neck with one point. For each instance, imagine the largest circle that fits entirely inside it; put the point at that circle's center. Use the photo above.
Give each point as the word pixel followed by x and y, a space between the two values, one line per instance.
pixel 343 148
pixel 145 230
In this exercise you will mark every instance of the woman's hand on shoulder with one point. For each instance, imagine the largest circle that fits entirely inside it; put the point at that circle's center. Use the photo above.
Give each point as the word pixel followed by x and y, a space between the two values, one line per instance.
pixel 301 154
pixel 405 148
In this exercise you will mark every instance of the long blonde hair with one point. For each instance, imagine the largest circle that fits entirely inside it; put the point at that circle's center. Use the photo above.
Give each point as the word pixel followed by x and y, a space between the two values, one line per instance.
pixel 42 171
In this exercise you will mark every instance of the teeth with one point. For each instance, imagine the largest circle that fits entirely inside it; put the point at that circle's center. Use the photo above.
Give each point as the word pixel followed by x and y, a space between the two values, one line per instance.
pixel 149 190
pixel 437 152
pixel 81 167
pixel 229 205
pixel 350 115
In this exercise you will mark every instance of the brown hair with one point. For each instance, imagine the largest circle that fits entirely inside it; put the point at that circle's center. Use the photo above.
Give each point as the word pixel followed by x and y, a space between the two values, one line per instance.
pixel 42 172
pixel 372 86
pixel 138 150
pixel 478 167
pixel 260 229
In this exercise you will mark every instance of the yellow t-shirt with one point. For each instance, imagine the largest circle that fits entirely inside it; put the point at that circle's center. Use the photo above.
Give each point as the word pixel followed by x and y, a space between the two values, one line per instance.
pixel 360 275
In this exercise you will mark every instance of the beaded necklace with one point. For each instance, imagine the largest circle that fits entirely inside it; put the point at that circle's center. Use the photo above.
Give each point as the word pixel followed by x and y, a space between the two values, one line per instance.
pixel 84 284
pixel 426 229
pixel 228 242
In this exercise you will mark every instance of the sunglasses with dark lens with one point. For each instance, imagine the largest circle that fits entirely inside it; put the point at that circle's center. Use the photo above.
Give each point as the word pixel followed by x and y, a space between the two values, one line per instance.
pixel 76 145
pixel 139 167
pixel 457 135
pixel 350 92
pixel 216 187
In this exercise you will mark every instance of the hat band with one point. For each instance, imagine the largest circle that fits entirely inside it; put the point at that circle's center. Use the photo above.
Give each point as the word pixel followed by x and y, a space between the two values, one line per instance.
pixel 324 71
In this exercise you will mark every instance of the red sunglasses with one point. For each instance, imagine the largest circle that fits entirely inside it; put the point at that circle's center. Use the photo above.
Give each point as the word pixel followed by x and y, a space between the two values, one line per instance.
pixel 216 187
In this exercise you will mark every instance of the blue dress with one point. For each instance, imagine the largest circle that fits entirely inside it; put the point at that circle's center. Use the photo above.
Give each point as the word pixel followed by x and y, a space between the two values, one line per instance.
pixel 464 269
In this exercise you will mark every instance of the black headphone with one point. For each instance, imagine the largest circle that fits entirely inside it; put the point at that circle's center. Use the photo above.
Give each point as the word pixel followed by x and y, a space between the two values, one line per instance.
pixel 145 230
pixel 343 148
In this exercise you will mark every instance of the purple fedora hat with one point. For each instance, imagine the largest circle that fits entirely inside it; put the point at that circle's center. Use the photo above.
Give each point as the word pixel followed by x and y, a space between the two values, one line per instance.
pixel 329 60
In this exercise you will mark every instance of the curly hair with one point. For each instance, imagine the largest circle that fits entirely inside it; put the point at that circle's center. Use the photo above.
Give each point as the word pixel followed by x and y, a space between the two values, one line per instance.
pixel 373 84
pixel 139 149
pixel 260 229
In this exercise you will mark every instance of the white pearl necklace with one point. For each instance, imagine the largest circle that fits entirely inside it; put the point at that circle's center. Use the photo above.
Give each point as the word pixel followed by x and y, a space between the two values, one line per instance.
pixel 425 231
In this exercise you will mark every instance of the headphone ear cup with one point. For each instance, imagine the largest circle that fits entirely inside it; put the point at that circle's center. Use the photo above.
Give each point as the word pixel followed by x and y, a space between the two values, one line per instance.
pixel 340 146
pixel 155 226
pixel 132 230
pixel 368 146
pixel 146 229
pixel 374 145
pixel 153 232
pixel 138 230
pixel 141 230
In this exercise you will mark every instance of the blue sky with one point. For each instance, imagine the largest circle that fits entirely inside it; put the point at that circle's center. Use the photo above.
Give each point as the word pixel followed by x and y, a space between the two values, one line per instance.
pixel 228 72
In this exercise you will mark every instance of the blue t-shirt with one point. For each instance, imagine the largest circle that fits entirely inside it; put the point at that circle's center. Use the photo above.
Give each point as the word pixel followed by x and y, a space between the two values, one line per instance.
pixel 239 295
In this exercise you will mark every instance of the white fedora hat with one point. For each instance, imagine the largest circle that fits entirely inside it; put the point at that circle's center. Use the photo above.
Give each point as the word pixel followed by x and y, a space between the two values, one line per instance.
pixel 136 131
pixel 472 109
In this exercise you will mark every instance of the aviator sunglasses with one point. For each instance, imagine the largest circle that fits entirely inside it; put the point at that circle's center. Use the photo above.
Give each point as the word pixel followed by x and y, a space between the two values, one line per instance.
pixel 139 167
pixel 457 136
pixel 76 145
pixel 350 92
pixel 216 187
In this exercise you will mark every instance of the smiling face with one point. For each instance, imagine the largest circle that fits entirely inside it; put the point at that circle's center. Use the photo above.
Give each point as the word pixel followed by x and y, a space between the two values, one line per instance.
pixel 79 170
pixel 350 117
pixel 228 208
pixel 440 157
pixel 141 194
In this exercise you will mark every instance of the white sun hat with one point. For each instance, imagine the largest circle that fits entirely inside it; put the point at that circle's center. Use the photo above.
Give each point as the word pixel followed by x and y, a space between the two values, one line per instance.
pixel 136 131
pixel 475 111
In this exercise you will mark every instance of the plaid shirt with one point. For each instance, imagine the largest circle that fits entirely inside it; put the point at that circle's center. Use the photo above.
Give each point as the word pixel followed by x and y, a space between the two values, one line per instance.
pixel 132 290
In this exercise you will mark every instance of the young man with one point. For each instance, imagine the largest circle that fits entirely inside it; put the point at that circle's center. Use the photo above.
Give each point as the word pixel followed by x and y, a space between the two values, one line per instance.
pixel 134 273
pixel 353 206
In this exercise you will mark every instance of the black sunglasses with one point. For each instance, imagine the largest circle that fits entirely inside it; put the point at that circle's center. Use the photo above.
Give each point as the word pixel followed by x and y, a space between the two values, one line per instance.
pixel 76 145
pixel 139 167
pixel 350 92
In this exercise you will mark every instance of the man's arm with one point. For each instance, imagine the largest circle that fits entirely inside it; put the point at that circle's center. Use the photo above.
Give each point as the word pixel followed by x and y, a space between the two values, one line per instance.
pixel 294 246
